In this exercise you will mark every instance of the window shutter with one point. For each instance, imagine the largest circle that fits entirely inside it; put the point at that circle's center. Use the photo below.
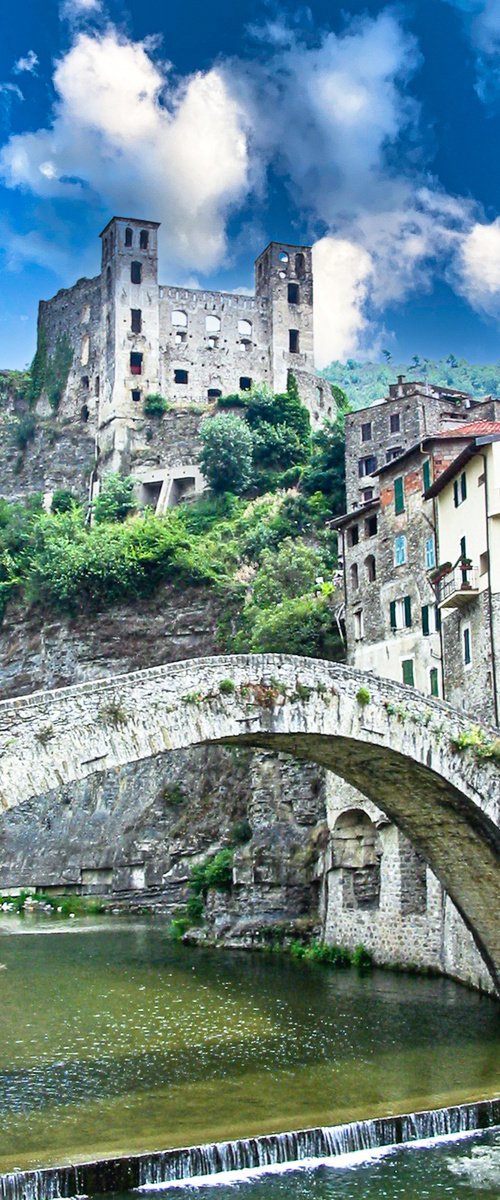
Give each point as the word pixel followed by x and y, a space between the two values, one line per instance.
pixel 408 676
pixel 392 608
pixel 437 615
pixel 427 474
pixel 455 493
pixel 425 620
pixel 434 682
pixel 399 494
pixel 407 604
pixel 463 486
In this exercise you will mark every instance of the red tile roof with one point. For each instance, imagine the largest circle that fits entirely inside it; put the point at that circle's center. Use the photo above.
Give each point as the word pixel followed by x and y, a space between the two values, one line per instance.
pixel 473 429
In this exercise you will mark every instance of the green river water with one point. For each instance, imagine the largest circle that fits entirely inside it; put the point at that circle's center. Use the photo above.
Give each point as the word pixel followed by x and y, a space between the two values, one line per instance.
pixel 116 1041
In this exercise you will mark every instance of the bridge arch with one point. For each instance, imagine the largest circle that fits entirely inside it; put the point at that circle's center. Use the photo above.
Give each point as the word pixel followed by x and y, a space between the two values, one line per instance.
pixel 394 745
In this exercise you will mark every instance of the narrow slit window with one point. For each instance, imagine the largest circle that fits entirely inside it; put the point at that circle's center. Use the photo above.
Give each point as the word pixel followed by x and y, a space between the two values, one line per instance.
pixel 136 272
pixel 293 341
pixel 144 239
pixel 136 320
pixel 129 237
pixel 135 362
pixel 293 293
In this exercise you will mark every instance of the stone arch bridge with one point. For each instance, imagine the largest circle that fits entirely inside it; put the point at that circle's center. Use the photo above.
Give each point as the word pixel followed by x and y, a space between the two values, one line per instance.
pixel 396 746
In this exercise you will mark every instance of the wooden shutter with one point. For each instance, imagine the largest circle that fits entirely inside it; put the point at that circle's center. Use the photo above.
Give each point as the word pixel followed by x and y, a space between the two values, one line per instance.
pixel 399 494
pixel 392 608
pixel 425 620
pixel 407 604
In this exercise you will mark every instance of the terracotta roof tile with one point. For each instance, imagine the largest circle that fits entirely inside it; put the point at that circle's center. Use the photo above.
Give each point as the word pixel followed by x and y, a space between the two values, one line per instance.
pixel 473 429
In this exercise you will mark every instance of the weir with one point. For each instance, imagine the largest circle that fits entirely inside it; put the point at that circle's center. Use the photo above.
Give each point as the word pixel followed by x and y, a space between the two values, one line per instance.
pixel 191 1162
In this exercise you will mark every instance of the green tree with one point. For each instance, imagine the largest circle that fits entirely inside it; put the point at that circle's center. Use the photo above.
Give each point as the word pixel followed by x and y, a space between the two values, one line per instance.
pixel 115 500
pixel 288 572
pixel 63 501
pixel 326 471
pixel 226 454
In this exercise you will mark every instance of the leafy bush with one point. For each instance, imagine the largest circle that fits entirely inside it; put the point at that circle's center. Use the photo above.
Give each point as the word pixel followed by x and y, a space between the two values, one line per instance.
pixel 115 500
pixel 23 430
pixel 216 872
pixel 155 405
pixel 227 687
pixel 63 501
pixel 226 455
pixel 363 696
pixel 303 625
pixel 241 832
pixel 287 573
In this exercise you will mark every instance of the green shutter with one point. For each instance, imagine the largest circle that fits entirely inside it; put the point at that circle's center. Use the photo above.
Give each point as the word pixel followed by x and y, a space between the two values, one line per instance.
pixel 455 493
pixel 427 474
pixel 399 494
pixel 408 677
pixel 438 619
pixel 434 682
pixel 392 608
pixel 463 486
pixel 425 620
pixel 407 604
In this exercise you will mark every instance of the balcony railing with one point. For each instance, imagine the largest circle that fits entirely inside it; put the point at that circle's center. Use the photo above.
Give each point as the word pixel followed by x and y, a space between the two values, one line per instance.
pixel 458 586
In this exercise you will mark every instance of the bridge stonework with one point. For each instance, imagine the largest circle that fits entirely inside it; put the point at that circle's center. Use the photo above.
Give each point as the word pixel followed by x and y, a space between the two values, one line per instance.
pixel 393 744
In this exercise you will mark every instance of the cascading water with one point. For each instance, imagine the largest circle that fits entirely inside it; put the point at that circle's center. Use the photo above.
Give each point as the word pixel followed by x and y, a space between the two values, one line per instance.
pixel 150 1170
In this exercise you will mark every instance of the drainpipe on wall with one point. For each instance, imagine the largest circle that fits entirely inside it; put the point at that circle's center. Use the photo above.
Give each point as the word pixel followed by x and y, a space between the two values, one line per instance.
pixel 490 602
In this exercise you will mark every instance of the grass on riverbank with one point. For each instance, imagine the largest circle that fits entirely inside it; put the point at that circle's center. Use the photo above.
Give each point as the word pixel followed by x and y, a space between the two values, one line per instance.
pixel 64 905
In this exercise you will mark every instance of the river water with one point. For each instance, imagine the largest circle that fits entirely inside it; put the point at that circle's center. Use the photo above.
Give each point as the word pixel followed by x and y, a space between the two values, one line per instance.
pixel 116 1041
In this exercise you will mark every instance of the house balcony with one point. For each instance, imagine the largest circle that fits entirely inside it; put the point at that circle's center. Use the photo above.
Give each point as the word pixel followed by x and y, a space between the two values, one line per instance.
pixel 458 586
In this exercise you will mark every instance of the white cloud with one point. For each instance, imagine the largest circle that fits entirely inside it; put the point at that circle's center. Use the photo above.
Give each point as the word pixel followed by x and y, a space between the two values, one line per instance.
pixel 122 135
pixel 73 9
pixel 28 62
pixel 482 20
pixel 343 272
pixel 478 265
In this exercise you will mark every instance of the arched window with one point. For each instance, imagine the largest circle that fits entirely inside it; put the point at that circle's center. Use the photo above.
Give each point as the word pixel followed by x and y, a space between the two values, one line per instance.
pixel 244 328
pixel 179 319
pixel 136 272
pixel 144 239
pixel 129 237
pixel 354 577
pixel 370 567
pixel 212 324
pixel 300 266
pixel 283 256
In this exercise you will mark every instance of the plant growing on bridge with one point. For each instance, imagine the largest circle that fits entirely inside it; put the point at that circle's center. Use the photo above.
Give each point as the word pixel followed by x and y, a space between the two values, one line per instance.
pixel 227 687
pixel 474 738
pixel 363 696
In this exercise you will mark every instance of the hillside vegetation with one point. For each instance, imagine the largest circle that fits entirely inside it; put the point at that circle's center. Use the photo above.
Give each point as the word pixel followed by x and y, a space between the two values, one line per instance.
pixel 364 383
pixel 264 546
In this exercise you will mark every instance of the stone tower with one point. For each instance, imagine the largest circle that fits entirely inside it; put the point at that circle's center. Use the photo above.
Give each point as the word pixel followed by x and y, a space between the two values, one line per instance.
pixel 130 324
pixel 283 276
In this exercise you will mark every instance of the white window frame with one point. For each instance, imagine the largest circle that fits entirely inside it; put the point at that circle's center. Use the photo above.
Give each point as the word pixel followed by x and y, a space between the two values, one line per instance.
pixel 359 625
pixel 400 540
pixel 430 542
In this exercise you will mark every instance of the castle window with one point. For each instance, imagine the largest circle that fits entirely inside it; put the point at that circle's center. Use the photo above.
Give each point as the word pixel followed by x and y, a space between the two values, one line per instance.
pixel 212 342
pixel 135 363
pixel 293 293
pixel 371 526
pixel 84 414
pixel 85 382
pixel 395 423
pixel 180 337
pixel 136 395
pixel 353 535
pixel 179 319
pixel 245 383
pixel 370 568
pixel 180 376
pixel 399 550
pixel 354 577
pixel 85 350
pixel 136 320
pixel 367 465
pixel 214 393
pixel 212 324
pixel 283 256
pixel 97 385
pixel 293 341
pixel 129 237
pixel 144 239
pixel 136 272
pixel 300 266
pixel 108 281
pixel 245 328
pixel 246 344
pixel 366 431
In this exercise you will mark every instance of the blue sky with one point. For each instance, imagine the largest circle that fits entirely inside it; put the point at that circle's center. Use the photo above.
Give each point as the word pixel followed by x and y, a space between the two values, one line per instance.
pixel 368 129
